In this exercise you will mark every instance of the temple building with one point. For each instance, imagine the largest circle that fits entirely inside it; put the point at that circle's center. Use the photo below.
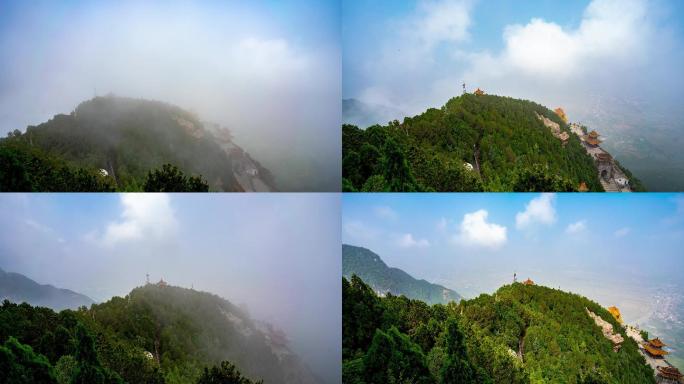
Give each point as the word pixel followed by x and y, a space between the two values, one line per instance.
pixel 655 348
pixel 592 139
pixel 162 283
pixel 528 282
pixel 668 375
pixel 616 314
pixel 479 92
pixel 561 113
pixel 604 163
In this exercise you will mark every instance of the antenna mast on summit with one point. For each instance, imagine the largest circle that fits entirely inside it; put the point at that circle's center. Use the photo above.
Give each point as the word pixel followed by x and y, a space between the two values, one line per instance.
pixel 147 278
pixel 464 89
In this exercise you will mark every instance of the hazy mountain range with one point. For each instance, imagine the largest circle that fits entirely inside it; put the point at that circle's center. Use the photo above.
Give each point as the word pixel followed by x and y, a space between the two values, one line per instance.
pixel 384 279
pixel 18 288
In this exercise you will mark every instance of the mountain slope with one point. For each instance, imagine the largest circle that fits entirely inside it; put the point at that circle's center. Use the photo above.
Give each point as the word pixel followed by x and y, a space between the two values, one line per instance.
pixel 161 334
pixel 520 334
pixel 472 143
pixel 19 288
pixel 369 267
pixel 129 137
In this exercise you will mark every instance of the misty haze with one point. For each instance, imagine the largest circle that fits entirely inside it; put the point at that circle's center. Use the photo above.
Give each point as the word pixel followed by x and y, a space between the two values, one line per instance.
pixel 244 95
pixel 169 284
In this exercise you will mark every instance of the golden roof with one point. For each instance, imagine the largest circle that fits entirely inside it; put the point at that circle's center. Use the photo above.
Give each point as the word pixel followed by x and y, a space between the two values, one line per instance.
pixel 655 351
pixel 528 282
pixel 616 314
pixel 583 187
pixel 657 343
pixel 561 113
pixel 479 92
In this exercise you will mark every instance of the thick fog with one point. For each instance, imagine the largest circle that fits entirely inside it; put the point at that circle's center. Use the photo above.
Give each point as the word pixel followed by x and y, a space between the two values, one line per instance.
pixel 276 254
pixel 269 71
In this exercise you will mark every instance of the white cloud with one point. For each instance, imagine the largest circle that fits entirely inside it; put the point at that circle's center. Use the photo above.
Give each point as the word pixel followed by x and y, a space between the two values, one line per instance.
pixel 476 231
pixel 610 30
pixel 144 216
pixel 408 241
pixel 538 210
pixel 577 227
pixel 441 21
pixel 386 212
pixel 412 42
pixel 622 232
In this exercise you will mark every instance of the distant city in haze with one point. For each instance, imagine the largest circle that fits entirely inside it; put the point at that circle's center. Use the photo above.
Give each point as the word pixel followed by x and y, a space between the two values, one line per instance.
pixel 612 65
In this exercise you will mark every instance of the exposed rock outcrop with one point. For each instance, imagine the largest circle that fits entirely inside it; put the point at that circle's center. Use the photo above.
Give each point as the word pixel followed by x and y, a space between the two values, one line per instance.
pixel 607 329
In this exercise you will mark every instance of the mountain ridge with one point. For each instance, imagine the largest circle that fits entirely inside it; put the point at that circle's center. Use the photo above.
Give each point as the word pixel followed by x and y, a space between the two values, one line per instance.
pixel 384 279
pixel 121 139
pixel 19 288
pixel 159 333
pixel 475 142
pixel 520 334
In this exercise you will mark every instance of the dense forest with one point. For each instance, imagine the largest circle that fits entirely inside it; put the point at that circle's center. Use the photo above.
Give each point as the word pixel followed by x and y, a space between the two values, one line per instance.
pixel 156 334
pixel 520 334
pixel 501 138
pixel 382 278
pixel 120 144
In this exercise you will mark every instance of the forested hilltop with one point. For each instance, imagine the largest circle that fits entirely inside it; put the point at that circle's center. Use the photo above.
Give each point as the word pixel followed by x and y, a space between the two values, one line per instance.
pixel 156 334
pixel 473 143
pixel 520 334
pixel 122 144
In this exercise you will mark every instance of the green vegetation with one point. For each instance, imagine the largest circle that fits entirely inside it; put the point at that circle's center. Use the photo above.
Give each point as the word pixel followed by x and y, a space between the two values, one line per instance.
pixel 156 334
pixel 520 334
pixel 170 179
pixel 428 152
pixel 128 138
pixel 370 267
pixel 226 373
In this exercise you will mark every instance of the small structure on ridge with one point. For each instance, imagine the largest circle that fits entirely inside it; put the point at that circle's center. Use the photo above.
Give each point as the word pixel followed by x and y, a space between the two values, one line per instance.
pixel 616 314
pixel 561 113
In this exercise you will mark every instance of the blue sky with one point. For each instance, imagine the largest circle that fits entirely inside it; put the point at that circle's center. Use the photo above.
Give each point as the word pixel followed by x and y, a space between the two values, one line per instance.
pixel 277 253
pixel 552 238
pixel 410 55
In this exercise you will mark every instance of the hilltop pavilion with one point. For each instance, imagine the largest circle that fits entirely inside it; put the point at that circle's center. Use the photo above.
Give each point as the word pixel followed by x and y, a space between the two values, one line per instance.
pixel 592 139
